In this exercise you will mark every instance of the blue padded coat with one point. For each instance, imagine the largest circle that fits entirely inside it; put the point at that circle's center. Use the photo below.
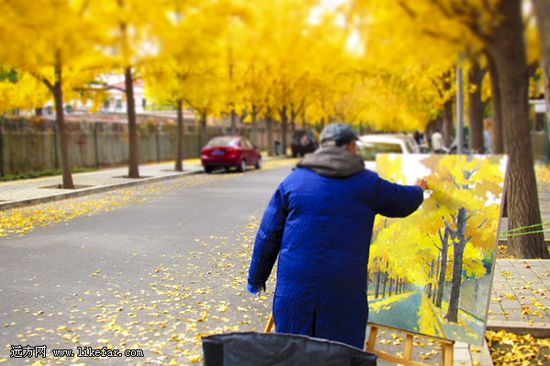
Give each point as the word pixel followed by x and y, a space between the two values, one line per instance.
pixel 321 228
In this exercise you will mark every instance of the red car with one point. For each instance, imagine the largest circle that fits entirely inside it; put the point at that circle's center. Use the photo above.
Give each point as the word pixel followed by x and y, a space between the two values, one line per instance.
pixel 230 151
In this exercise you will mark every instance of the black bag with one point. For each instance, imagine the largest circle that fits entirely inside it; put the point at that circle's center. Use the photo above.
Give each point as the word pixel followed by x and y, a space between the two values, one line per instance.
pixel 275 349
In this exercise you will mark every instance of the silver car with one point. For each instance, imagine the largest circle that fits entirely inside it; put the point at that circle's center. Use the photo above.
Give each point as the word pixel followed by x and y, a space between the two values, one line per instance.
pixel 371 145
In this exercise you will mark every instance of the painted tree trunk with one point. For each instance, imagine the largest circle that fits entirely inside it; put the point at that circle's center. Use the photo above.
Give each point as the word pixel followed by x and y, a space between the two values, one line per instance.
pixel 436 278
pixel 444 239
pixel 377 287
pixel 384 284
pixel 458 254
pixel 509 53
pixel 179 138
pixel 476 108
pixel 60 121
pixel 430 285
pixel 498 131
pixel 133 157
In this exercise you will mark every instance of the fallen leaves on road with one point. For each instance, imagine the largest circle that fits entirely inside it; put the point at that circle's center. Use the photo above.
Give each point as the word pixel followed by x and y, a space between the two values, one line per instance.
pixel 21 221
pixel 169 308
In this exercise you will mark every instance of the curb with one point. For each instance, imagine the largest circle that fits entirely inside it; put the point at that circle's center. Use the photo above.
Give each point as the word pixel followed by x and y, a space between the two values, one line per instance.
pixel 539 330
pixel 93 190
pixel 104 188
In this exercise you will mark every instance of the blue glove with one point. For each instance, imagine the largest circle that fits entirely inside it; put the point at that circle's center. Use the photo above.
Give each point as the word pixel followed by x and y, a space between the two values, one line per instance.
pixel 254 290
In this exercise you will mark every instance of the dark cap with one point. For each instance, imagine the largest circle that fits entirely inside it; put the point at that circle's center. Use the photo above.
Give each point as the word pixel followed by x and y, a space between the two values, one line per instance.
pixel 341 133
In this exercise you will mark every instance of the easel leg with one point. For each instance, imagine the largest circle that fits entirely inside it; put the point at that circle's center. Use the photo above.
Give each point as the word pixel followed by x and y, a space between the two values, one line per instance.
pixel 408 347
pixel 269 325
pixel 448 353
pixel 371 342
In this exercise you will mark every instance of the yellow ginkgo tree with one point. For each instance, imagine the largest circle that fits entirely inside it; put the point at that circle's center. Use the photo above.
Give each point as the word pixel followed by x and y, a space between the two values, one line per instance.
pixel 456 29
pixel 52 41
pixel 190 62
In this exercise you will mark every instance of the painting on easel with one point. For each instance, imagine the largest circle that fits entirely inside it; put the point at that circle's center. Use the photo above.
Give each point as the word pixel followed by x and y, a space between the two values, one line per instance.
pixel 431 273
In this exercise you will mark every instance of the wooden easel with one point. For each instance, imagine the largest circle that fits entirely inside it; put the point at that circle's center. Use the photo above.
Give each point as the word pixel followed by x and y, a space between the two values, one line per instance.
pixel 447 347
pixel 270 324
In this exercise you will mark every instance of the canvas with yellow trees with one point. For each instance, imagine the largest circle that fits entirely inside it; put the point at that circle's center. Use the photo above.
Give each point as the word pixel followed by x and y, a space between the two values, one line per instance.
pixel 431 273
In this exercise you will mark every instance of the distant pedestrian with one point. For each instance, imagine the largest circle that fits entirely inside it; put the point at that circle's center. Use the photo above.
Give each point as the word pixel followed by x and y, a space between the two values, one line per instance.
pixel 488 136
pixel 437 143
pixel 418 138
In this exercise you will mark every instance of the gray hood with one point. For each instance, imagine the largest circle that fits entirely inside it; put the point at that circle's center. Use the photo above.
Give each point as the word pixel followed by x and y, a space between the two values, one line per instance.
pixel 333 161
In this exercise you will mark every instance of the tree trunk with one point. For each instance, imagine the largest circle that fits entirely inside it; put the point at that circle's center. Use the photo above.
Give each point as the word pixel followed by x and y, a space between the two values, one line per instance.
pixel 508 50
pixel 444 239
pixel 269 128
pixel 233 120
pixel 542 12
pixel 293 118
pixel 390 289
pixel 39 111
pixel 283 113
pixel 203 130
pixel 61 127
pixel 448 127
pixel 179 138
pixel 458 253
pixel 476 108
pixel 133 158
pixel 254 124
pixel 497 130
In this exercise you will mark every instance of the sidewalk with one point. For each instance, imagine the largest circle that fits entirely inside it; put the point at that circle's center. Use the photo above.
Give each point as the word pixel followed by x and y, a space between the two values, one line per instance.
pixel 520 300
pixel 26 192
pixel 32 191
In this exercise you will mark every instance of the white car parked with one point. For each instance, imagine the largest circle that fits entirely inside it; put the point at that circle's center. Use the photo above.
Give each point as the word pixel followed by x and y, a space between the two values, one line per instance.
pixel 370 145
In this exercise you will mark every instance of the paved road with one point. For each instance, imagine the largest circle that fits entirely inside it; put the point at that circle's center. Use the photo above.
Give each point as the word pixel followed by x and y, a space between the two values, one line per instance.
pixel 394 315
pixel 154 275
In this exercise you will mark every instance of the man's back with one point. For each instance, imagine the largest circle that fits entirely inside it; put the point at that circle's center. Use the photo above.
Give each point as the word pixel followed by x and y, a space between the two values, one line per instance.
pixel 319 223
pixel 327 230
